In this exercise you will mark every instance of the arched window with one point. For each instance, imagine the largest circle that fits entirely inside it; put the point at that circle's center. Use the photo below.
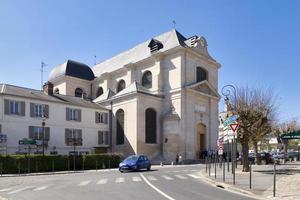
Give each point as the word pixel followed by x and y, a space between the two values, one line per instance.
pixel 121 85
pixel 56 91
pixel 201 74
pixel 150 126
pixel 99 91
pixel 120 126
pixel 78 92
pixel 147 79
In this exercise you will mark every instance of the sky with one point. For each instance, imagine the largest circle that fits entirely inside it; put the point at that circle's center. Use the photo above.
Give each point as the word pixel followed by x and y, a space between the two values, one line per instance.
pixel 256 42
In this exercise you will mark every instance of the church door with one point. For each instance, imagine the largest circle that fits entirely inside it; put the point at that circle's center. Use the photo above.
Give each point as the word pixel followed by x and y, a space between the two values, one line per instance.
pixel 201 133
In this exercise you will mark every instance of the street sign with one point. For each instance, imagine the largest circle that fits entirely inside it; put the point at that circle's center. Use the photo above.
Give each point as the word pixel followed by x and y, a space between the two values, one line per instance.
pixel 26 141
pixel 234 127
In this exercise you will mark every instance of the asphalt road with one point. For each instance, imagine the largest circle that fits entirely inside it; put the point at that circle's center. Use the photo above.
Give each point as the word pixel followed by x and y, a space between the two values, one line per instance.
pixel 166 183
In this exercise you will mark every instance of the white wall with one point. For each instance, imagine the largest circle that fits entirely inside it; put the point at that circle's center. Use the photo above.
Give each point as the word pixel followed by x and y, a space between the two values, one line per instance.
pixel 16 127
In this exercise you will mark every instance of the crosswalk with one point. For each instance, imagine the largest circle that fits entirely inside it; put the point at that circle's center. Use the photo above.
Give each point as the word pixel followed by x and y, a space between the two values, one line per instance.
pixel 102 181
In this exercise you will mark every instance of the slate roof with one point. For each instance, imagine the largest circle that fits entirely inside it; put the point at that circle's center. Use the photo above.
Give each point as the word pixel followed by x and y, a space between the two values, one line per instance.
pixel 22 92
pixel 169 40
pixel 73 69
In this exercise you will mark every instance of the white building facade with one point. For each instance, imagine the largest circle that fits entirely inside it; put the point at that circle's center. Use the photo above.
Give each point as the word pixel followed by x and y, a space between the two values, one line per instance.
pixel 67 120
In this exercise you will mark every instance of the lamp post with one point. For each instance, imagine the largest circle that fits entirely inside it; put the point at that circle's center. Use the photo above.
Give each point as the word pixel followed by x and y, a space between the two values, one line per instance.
pixel 227 92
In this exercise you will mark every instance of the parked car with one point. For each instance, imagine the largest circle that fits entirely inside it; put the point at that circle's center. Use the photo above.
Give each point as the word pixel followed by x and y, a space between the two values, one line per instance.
pixel 135 163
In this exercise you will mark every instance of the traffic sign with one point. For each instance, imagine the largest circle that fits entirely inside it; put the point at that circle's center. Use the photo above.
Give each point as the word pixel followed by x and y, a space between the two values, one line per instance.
pixel 234 127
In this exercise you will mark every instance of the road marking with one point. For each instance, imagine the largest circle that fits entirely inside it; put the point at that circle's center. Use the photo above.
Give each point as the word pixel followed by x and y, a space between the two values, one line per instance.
pixel 120 180
pixel 102 181
pixel 20 190
pixel 180 177
pixel 84 183
pixel 41 188
pixel 167 178
pixel 152 178
pixel 136 179
pixel 156 189
pixel 5 190
pixel 193 176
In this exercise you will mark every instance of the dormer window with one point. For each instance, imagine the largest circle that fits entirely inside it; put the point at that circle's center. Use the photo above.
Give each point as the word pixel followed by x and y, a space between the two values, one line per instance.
pixel 155 45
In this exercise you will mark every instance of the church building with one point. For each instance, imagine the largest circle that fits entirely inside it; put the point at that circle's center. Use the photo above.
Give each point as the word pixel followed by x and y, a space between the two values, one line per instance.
pixel 158 98
pixel 162 95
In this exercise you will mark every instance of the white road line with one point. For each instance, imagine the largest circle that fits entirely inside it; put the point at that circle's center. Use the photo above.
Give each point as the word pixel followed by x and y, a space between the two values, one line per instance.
pixel 152 178
pixel 84 183
pixel 120 180
pixel 5 190
pixel 102 181
pixel 136 179
pixel 41 188
pixel 156 189
pixel 193 176
pixel 180 176
pixel 167 177
pixel 20 190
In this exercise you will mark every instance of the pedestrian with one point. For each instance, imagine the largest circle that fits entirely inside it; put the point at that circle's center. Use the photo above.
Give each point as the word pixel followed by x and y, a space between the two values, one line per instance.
pixel 177 159
pixel 180 159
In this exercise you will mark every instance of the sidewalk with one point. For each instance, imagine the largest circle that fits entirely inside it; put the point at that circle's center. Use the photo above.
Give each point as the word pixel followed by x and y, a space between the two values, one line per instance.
pixel 287 180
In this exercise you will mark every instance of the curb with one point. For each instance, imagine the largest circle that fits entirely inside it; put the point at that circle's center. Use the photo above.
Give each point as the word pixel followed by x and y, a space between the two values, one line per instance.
pixel 229 187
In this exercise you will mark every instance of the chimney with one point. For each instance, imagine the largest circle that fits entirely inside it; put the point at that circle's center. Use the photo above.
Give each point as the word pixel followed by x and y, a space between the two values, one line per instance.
pixel 48 88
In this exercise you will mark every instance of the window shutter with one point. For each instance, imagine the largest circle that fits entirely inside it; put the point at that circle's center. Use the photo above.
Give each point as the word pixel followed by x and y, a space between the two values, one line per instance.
pixel 79 116
pixel 99 137
pixel 67 133
pixel 80 137
pixel 46 111
pixel 96 117
pixel 32 110
pixel 105 118
pixel 106 137
pixel 47 133
pixel 31 133
pixel 22 108
pixel 6 107
pixel 68 114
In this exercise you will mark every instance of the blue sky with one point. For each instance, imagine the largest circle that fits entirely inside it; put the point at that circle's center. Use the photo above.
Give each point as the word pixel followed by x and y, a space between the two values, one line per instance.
pixel 256 42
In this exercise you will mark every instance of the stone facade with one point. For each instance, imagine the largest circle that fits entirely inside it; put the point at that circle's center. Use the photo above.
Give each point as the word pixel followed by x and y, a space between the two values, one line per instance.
pixel 184 100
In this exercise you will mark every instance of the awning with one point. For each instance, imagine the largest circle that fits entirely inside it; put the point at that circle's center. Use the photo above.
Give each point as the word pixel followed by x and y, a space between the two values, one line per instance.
pixel 291 135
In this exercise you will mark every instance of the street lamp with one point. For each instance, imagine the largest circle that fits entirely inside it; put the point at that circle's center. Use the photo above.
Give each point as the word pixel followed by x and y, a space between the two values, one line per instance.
pixel 227 92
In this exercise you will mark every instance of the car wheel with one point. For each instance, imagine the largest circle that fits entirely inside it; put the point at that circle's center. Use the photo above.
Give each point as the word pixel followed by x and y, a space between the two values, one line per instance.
pixel 121 171
pixel 149 168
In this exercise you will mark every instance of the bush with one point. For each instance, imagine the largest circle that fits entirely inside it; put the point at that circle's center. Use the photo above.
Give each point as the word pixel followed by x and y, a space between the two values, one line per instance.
pixel 13 164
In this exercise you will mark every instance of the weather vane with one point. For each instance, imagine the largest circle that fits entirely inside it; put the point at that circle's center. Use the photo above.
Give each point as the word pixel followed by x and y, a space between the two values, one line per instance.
pixel 174 23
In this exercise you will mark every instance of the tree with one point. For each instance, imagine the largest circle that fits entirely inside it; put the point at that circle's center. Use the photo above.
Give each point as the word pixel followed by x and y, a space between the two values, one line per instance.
pixel 284 128
pixel 255 108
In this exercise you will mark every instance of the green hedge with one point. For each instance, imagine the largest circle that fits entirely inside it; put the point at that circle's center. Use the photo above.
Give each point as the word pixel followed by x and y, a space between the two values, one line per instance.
pixel 14 164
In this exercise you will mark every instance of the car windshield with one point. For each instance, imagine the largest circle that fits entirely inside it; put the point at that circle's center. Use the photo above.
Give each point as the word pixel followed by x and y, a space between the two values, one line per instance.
pixel 131 158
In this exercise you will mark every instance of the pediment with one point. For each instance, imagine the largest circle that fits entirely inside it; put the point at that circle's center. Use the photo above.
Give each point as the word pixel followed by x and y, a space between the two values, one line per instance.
pixel 204 88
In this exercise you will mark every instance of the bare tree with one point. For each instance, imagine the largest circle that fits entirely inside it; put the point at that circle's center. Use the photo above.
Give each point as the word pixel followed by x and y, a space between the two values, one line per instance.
pixel 256 110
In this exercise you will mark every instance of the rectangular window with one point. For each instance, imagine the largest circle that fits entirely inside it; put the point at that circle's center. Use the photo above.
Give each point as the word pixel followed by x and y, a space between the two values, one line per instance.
pixel 39 110
pixel 39 133
pixel 15 107
pixel 73 114
pixel 73 137
pixel 102 118
pixel 12 107
pixel 103 138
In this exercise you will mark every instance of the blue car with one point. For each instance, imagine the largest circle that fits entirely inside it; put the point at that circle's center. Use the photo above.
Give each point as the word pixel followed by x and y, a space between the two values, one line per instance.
pixel 135 163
